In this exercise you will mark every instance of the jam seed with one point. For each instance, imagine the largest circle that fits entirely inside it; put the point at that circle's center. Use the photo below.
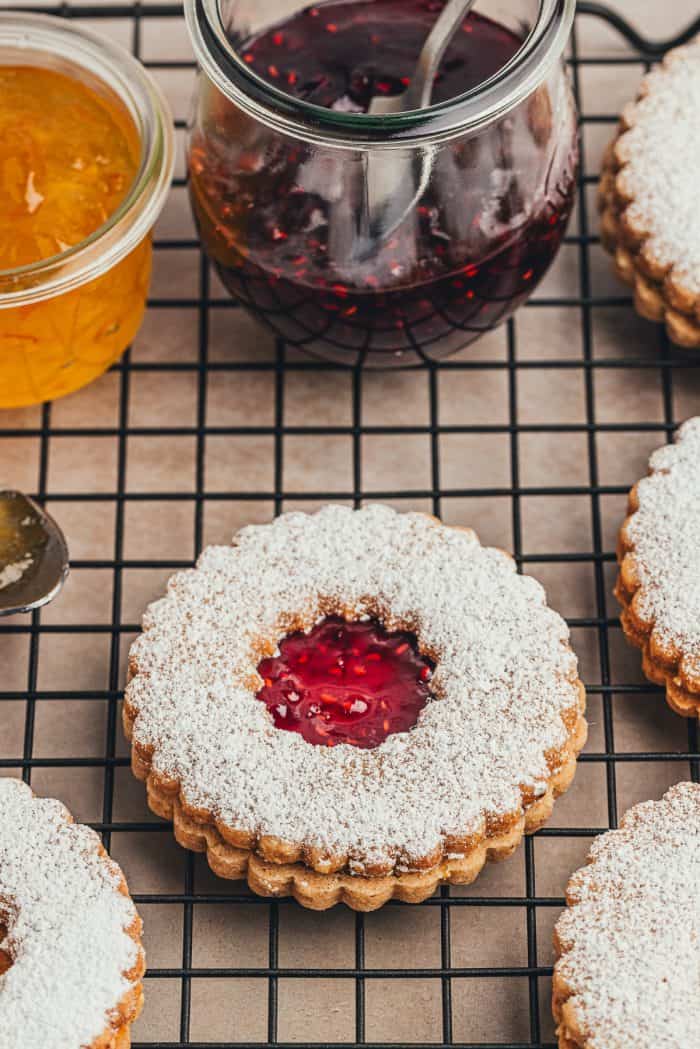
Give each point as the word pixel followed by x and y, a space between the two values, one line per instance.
pixel 359 670
pixel 402 648
pixel 331 27
pixel 278 39
pixel 273 71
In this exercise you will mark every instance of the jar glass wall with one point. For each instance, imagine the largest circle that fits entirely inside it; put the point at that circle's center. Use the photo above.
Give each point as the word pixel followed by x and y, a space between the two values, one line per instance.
pixel 380 240
pixel 66 318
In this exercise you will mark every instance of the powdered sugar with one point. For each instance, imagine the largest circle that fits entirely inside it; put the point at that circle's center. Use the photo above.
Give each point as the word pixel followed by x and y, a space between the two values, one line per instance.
pixel 66 921
pixel 665 533
pixel 632 941
pixel 13 572
pixel 661 156
pixel 504 677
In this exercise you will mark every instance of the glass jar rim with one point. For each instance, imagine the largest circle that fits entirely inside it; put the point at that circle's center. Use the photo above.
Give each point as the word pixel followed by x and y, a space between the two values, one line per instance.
pixel 481 105
pixel 31 35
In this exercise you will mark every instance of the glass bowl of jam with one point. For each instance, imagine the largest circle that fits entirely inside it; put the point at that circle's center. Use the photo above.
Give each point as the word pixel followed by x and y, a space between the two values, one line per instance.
pixel 389 239
pixel 86 158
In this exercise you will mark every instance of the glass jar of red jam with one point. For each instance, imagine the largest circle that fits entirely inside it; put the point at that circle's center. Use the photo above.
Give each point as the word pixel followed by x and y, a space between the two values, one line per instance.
pixel 86 158
pixel 381 239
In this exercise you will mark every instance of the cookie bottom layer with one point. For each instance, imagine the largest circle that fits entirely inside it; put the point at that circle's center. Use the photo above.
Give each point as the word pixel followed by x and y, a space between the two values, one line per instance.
pixel 319 891
pixel 651 298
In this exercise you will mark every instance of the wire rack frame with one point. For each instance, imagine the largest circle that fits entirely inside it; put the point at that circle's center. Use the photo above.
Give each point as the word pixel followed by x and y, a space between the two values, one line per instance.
pixel 643 51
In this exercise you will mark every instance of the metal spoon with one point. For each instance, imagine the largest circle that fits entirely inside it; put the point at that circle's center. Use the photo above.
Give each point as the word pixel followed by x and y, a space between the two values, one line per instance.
pixel 396 180
pixel 419 92
pixel 33 555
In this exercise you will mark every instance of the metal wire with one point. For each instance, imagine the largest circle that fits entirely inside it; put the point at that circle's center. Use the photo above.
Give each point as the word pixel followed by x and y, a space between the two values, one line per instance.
pixel 603 622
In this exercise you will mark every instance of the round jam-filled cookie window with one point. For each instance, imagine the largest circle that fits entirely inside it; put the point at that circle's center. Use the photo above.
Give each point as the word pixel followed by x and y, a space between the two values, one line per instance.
pixel 353 705
pixel 346 683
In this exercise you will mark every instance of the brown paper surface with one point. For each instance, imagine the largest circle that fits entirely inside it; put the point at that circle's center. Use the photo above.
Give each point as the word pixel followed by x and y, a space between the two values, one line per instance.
pixel 76 671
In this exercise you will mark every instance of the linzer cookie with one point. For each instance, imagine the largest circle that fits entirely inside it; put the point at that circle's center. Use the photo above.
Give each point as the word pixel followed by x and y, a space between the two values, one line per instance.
pixel 353 706
pixel 71 961
pixel 628 947
pixel 649 199
pixel 659 555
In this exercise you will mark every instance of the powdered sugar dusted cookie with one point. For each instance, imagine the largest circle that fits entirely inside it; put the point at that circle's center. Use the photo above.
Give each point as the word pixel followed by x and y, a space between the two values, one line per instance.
pixel 659 581
pixel 649 200
pixel 353 705
pixel 628 969
pixel 70 953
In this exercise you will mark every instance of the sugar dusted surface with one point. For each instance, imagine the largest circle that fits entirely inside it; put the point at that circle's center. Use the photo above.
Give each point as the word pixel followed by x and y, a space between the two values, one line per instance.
pixel 665 532
pixel 66 921
pixel 662 158
pixel 632 941
pixel 504 677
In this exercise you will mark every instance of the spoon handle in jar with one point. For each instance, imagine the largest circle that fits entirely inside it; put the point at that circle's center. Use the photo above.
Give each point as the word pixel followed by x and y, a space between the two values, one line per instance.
pixel 419 93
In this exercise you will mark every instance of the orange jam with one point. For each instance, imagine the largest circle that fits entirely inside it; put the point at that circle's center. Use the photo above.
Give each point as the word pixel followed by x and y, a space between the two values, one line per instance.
pixel 69 154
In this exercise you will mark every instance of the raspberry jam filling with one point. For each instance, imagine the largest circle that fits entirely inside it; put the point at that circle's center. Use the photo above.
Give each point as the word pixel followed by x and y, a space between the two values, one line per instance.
pixel 346 683
pixel 5 958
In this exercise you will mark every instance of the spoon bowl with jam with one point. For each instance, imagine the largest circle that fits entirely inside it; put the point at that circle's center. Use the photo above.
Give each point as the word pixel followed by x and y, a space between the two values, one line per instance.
pixel 33 555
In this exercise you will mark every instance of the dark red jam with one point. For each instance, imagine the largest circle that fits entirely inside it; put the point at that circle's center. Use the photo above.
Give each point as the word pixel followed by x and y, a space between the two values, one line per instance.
pixel 346 683
pixel 282 219
pixel 341 55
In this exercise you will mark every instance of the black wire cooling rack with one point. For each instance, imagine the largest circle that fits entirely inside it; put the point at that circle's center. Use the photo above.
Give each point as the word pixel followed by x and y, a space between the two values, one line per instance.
pixel 606 686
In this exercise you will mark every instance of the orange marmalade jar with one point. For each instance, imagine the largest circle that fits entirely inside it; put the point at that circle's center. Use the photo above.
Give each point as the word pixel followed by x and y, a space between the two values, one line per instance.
pixel 86 158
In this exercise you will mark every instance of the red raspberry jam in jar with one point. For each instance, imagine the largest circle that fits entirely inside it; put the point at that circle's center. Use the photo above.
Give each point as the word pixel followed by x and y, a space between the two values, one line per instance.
pixel 391 239
pixel 346 683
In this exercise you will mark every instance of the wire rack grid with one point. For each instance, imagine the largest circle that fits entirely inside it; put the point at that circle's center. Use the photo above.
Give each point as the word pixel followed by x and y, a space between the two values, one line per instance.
pixel 272 979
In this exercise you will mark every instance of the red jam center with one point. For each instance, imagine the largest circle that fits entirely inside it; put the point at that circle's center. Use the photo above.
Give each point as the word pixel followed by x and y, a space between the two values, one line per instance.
pixel 346 683
pixel 5 957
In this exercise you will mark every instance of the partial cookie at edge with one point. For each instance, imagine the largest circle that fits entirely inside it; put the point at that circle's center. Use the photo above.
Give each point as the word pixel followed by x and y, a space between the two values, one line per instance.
pixel 665 658
pixel 661 290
